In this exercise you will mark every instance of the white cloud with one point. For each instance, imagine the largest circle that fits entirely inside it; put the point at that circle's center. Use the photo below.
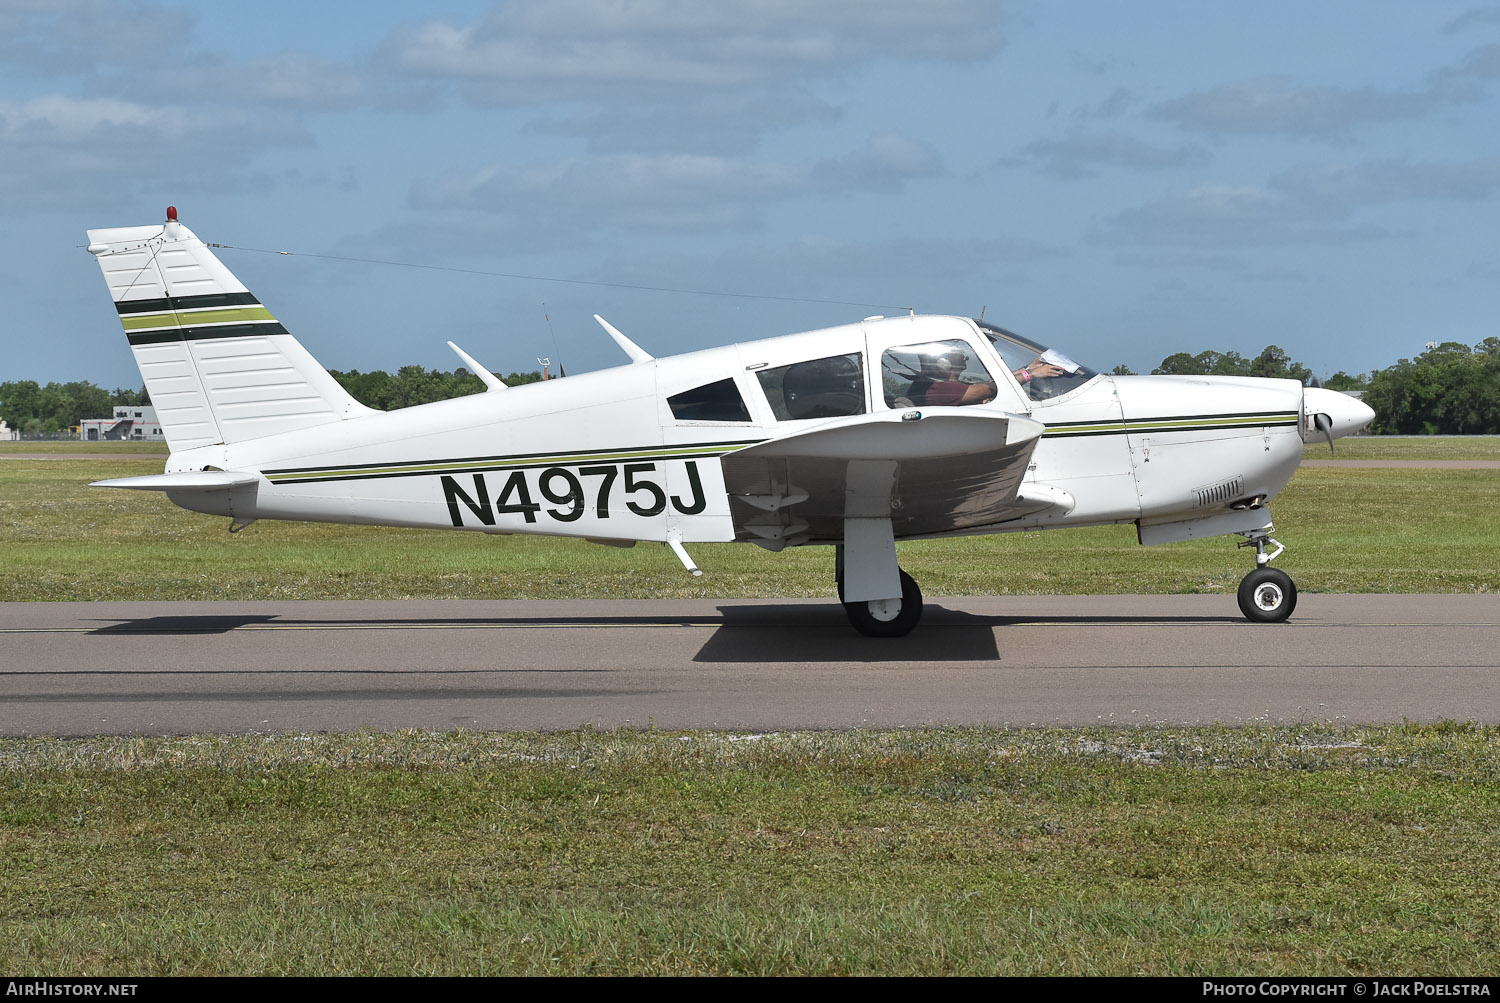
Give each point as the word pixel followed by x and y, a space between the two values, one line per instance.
pixel 296 80
pixel 1483 62
pixel 672 190
pixel 1176 260
pixel 1307 205
pixel 884 164
pixel 1118 103
pixel 1478 16
pixel 1231 216
pixel 708 122
pixel 1277 104
pixel 528 51
pixel 1343 188
pixel 95 151
pixel 1077 155
pixel 925 258
pixel 77 37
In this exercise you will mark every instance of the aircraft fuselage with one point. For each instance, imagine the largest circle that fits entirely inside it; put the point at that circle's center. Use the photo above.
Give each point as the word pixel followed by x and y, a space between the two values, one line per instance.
pixel 603 455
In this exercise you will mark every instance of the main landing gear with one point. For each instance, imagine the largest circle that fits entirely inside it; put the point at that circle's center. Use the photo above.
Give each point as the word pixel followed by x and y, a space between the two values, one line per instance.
pixel 1266 595
pixel 881 617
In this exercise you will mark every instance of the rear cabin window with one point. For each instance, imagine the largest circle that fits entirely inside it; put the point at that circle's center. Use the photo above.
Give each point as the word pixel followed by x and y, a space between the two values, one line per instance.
pixel 719 401
pixel 818 388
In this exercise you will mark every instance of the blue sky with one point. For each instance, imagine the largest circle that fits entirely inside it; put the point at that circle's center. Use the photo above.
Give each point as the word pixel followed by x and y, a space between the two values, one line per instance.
pixel 1123 181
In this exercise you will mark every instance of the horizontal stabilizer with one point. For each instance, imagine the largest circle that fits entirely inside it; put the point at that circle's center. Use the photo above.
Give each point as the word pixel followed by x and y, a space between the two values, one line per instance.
pixel 188 480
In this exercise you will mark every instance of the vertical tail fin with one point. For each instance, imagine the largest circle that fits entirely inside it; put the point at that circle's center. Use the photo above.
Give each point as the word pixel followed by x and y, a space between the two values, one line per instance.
pixel 218 366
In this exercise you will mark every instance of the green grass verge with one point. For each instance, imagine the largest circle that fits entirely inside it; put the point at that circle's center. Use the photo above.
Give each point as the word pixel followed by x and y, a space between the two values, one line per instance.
pixel 1310 850
pixel 65 447
pixel 1434 447
pixel 1347 530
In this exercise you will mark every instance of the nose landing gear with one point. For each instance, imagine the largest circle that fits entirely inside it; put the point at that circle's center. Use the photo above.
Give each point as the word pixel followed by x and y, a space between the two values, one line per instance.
pixel 1266 595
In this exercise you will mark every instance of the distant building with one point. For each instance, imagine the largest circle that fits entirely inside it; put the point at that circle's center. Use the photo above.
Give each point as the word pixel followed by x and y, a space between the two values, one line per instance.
pixel 8 434
pixel 135 424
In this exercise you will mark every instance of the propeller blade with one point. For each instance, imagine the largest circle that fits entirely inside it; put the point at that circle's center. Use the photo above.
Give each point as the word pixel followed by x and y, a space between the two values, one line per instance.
pixel 1324 424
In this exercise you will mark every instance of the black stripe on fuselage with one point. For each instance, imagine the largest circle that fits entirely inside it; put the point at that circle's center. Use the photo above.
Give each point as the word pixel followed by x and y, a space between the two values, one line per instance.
pixel 165 303
pixel 1275 415
pixel 260 330
pixel 497 468
pixel 520 459
pixel 1062 432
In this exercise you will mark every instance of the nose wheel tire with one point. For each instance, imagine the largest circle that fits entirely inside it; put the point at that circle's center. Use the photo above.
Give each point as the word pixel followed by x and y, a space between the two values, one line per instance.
pixel 1267 595
pixel 888 617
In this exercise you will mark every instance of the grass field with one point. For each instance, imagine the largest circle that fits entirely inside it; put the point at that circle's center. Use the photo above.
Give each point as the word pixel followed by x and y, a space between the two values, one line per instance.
pixel 1404 447
pixel 66 447
pixel 1175 852
pixel 1347 530
pixel 1309 850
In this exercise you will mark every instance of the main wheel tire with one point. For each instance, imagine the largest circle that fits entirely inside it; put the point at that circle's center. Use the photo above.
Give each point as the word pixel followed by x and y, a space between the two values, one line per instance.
pixel 868 623
pixel 1267 595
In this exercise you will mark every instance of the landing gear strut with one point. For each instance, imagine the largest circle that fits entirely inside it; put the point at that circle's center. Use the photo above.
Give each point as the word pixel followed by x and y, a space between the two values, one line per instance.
pixel 881 617
pixel 1266 595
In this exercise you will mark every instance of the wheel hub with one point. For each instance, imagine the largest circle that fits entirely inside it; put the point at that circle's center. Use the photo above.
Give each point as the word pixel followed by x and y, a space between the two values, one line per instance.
pixel 1268 596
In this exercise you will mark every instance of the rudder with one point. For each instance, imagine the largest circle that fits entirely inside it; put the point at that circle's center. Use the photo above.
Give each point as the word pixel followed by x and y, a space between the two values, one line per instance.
pixel 219 367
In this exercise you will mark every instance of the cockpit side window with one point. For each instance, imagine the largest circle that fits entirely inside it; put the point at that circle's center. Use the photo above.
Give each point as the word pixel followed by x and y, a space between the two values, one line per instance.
pixel 818 388
pixel 719 401
pixel 1043 372
pixel 935 374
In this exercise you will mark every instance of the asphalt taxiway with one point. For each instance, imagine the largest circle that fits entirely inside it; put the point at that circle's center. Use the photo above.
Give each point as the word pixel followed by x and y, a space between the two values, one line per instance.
pixel 71 669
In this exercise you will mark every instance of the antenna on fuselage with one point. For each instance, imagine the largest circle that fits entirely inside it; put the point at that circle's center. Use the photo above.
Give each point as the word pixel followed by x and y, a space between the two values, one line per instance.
pixel 491 381
pixel 636 353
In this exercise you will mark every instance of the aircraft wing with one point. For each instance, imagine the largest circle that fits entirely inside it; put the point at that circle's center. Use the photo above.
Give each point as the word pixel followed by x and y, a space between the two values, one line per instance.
pixel 933 471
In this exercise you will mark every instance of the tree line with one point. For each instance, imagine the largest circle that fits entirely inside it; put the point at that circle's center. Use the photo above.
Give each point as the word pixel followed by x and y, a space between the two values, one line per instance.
pixel 43 411
pixel 1450 389
pixel 40 411
pixel 412 385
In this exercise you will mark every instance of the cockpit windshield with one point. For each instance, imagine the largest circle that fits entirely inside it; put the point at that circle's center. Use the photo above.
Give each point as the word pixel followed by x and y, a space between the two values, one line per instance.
pixel 1050 372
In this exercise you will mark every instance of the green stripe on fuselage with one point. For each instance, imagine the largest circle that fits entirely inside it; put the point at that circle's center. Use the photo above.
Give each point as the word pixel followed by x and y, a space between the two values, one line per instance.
pixel 499 463
pixel 1180 424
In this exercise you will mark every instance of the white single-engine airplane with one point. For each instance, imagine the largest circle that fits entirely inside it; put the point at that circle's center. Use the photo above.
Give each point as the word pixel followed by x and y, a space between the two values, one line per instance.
pixel 894 428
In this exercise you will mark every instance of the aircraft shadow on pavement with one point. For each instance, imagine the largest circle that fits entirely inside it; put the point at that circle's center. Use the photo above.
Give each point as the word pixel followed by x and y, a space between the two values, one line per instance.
pixel 811 633
pixel 760 632
pixel 807 633
pixel 218 624
pixel 223 624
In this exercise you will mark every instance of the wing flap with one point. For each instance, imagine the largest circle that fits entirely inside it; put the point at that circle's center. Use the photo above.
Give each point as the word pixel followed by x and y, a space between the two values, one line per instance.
pixel 953 468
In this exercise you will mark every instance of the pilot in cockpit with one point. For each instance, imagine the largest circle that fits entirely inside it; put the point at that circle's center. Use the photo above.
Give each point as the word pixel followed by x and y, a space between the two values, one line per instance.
pixel 948 389
pixel 949 374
